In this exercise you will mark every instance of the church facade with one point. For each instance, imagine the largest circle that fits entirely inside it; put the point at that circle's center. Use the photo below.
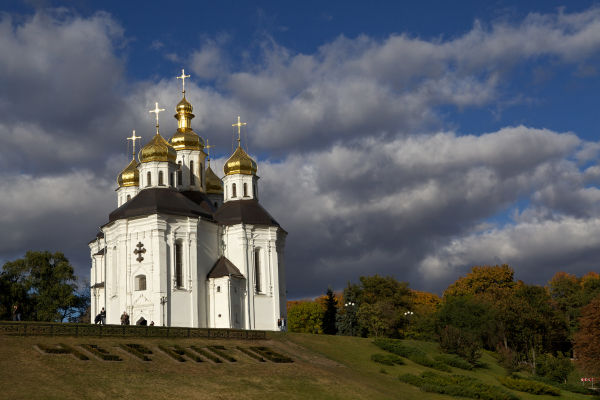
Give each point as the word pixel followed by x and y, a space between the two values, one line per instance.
pixel 184 247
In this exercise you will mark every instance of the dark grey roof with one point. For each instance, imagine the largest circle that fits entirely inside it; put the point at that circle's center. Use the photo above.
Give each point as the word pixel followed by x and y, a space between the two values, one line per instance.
pixel 101 252
pixel 224 267
pixel 99 235
pixel 98 285
pixel 244 211
pixel 162 201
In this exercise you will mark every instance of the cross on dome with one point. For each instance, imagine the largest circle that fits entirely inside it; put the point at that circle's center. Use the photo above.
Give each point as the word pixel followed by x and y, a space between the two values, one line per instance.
pixel 208 147
pixel 133 138
pixel 156 111
pixel 182 77
pixel 239 126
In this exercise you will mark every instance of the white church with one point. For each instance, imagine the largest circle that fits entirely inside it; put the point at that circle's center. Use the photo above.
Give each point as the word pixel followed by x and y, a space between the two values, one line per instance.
pixel 185 248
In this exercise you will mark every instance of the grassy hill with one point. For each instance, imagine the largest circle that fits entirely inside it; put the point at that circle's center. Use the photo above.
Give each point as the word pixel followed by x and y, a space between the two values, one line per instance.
pixel 324 367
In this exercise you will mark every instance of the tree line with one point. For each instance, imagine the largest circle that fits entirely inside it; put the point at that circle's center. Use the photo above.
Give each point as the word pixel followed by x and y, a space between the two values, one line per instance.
pixel 539 327
pixel 42 286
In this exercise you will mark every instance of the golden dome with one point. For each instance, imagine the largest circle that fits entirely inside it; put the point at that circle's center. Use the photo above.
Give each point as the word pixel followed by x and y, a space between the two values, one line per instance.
pixel 130 176
pixel 240 163
pixel 158 149
pixel 184 106
pixel 186 139
pixel 214 185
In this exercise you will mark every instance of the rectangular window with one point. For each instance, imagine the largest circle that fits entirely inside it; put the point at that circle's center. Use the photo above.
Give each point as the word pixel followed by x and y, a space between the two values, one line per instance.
pixel 178 265
pixel 257 276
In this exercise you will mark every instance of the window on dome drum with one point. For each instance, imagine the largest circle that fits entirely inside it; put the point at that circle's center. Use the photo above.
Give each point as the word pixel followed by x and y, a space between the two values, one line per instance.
pixel 218 289
pixel 180 175
pixel 128 197
pixel 160 179
pixel 233 191
pixel 257 276
pixel 245 189
pixel 140 282
pixel 148 179
pixel 178 265
pixel 200 170
pixel 192 180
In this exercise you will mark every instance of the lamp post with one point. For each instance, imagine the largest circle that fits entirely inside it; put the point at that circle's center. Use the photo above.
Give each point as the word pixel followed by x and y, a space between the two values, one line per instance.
pixel 163 301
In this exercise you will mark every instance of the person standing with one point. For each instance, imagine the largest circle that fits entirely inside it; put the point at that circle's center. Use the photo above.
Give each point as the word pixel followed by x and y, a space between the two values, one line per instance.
pixel 103 316
pixel 123 318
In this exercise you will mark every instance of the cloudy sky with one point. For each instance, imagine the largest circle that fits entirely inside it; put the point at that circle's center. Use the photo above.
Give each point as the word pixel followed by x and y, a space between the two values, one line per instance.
pixel 413 141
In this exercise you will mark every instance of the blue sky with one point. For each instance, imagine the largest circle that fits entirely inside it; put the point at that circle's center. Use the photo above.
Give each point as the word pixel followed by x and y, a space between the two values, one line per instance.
pixel 405 139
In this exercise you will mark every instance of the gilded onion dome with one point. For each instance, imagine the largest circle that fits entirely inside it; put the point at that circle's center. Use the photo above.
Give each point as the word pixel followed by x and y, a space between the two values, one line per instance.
pixel 214 185
pixel 158 149
pixel 240 163
pixel 185 138
pixel 130 176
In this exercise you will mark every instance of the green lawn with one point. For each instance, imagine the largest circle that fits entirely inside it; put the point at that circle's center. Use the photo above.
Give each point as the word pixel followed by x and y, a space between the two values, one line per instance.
pixel 324 367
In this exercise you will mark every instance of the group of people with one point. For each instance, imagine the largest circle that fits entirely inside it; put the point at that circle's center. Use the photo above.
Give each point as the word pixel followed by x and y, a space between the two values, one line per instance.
pixel 281 324
pixel 101 317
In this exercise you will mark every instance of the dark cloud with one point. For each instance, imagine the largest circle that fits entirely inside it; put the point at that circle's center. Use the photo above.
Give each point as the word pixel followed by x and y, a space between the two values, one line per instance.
pixel 354 158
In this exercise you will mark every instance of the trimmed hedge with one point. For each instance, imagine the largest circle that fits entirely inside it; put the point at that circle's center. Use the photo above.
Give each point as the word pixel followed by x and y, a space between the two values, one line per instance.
pixel 457 385
pixel 528 386
pixel 206 354
pixel 181 350
pixel 137 350
pixel 271 355
pixel 569 387
pixel 251 354
pixel 415 355
pixel 221 351
pixel 387 359
pixel 100 352
pixel 172 352
pixel 454 361
pixel 62 349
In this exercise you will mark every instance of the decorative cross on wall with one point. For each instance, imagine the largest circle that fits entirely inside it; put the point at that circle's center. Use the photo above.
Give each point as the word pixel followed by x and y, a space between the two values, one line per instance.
pixel 139 251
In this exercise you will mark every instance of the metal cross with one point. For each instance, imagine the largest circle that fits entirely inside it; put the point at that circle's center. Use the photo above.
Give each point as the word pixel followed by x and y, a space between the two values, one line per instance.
pixel 133 138
pixel 208 147
pixel 182 77
pixel 139 251
pixel 239 126
pixel 156 111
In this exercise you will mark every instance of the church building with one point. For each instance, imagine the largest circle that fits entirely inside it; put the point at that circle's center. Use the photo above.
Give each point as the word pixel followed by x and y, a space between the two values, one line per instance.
pixel 184 247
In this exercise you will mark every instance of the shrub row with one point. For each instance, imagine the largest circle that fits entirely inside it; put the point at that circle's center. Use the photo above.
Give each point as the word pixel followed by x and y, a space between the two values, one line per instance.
pixel 415 355
pixel 172 352
pixel 182 350
pixel 528 386
pixel 62 349
pixel 271 355
pixel 457 385
pixel 564 386
pixel 387 359
pixel 137 350
pixel 206 354
pixel 221 351
pixel 251 354
pixel 454 361
pixel 100 352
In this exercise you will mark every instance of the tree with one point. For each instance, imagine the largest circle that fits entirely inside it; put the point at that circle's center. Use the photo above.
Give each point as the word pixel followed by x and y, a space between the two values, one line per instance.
pixel 556 368
pixel 587 339
pixel 44 284
pixel 306 317
pixel 329 316
pixel 484 280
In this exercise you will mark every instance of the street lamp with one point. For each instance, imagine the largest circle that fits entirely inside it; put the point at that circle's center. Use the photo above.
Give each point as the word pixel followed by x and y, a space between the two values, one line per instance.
pixel 163 301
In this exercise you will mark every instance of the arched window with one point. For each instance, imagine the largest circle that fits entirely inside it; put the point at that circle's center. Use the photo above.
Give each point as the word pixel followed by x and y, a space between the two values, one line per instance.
pixel 148 179
pixel 178 264
pixel 218 289
pixel 257 276
pixel 180 175
pixel 200 172
pixel 192 180
pixel 128 197
pixel 233 191
pixel 171 179
pixel 140 282
pixel 245 189
pixel 160 179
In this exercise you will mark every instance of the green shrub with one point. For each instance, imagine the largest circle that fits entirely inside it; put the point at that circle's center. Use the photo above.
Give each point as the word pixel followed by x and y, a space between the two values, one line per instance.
pixel 221 351
pixel 100 352
pixel 415 355
pixel 387 359
pixel 527 386
pixel 457 385
pixel 271 355
pixel 206 354
pixel 454 361
pixel 137 350
pixel 563 386
pixel 556 368
pixel 172 352
pixel 251 354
